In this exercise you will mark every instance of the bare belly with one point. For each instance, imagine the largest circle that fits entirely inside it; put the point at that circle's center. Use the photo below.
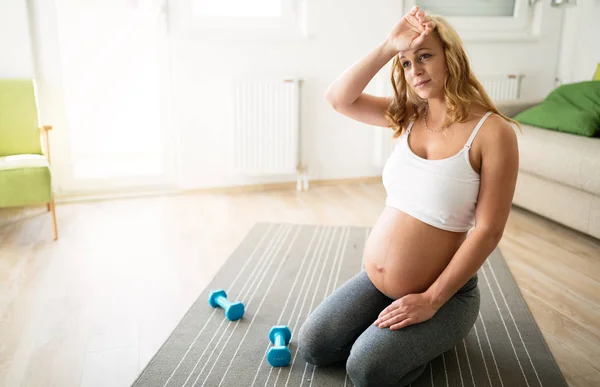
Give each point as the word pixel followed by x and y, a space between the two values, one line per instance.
pixel 404 255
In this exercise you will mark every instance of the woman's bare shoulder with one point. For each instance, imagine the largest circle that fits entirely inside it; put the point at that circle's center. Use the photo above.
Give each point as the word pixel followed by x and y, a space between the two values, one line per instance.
pixel 498 133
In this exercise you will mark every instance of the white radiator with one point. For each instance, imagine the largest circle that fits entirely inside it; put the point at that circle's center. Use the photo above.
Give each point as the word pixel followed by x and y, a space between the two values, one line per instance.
pixel 498 86
pixel 502 86
pixel 266 126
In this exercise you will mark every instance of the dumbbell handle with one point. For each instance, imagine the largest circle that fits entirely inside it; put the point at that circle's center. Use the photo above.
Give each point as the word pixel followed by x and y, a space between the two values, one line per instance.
pixel 223 301
pixel 279 340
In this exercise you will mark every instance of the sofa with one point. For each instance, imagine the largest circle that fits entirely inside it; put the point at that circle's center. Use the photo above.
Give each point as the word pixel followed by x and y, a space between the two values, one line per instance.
pixel 559 173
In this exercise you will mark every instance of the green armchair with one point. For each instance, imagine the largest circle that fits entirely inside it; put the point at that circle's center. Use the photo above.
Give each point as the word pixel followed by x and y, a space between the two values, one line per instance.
pixel 25 176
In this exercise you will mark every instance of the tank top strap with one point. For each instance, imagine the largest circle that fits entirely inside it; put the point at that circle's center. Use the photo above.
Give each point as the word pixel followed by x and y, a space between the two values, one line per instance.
pixel 481 121
pixel 409 127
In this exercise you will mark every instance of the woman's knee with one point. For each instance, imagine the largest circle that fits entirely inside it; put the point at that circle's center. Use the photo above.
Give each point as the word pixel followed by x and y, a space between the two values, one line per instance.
pixel 364 369
pixel 318 345
pixel 308 340
pixel 367 368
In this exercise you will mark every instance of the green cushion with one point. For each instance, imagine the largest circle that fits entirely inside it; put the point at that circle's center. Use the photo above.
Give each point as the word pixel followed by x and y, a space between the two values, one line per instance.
pixel 19 129
pixel 24 186
pixel 571 108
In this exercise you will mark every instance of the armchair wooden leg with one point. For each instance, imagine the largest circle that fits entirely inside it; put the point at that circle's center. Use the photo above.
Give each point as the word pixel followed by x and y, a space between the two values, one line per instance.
pixel 48 206
pixel 52 208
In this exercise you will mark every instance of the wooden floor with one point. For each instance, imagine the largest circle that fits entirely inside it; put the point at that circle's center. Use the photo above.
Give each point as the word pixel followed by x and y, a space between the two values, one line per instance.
pixel 92 308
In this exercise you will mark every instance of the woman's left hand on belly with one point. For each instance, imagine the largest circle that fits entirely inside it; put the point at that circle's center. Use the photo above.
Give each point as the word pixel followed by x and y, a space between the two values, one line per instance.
pixel 405 311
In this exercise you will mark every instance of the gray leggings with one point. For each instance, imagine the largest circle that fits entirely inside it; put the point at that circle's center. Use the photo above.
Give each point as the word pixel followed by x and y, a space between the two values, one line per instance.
pixel 341 329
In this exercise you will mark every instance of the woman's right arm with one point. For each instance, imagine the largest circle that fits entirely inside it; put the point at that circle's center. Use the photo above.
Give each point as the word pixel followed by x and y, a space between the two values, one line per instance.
pixel 346 94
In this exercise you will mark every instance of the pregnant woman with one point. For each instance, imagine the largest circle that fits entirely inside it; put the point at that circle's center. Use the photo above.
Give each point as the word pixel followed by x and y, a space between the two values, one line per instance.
pixel 449 182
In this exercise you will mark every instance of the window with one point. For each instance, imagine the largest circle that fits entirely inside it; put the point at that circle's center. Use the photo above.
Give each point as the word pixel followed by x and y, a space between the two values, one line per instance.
pixel 237 8
pixel 253 17
pixel 470 8
pixel 471 17
pixel 114 66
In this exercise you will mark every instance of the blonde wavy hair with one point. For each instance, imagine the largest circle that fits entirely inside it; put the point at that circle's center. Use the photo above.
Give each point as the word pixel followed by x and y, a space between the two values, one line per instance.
pixel 461 87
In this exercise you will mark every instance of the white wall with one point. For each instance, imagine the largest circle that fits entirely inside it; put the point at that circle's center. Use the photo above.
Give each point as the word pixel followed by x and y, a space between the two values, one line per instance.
pixel 580 45
pixel 15 42
pixel 341 31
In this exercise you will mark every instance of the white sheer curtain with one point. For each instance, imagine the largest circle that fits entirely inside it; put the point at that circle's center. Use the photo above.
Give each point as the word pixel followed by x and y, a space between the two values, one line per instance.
pixel 113 55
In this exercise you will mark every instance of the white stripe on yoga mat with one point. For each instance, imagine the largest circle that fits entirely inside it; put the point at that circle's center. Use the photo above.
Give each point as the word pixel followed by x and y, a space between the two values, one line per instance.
pixel 469 362
pixel 312 302
pixel 445 370
pixel 482 355
pixel 298 316
pixel 513 320
pixel 275 239
pixel 287 300
pixel 339 254
pixel 297 323
pixel 504 324
pixel 309 274
pixel 462 382
pixel 491 349
pixel 431 373
pixel 273 277
pixel 344 238
pixel 261 266
pixel 335 256
pixel 319 253
pixel 285 306
pixel 339 258
pixel 259 244
pixel 266 258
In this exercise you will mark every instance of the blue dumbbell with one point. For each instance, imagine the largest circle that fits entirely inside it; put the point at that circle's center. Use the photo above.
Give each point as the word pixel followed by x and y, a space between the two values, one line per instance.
pixel 279 354
pixel 233 310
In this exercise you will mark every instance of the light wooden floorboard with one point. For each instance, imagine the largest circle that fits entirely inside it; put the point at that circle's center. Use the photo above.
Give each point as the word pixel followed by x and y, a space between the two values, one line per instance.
pixel 92 308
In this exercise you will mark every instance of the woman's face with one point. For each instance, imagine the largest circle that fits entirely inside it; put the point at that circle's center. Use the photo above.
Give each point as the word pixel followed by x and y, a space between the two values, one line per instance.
pixel 425 68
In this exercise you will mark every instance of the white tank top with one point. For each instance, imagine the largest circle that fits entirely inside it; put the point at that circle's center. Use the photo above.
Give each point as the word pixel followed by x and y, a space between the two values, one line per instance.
pixel 442 193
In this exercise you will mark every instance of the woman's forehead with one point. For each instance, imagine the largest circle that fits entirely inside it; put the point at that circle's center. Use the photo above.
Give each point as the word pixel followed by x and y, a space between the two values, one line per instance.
pixel 430 43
